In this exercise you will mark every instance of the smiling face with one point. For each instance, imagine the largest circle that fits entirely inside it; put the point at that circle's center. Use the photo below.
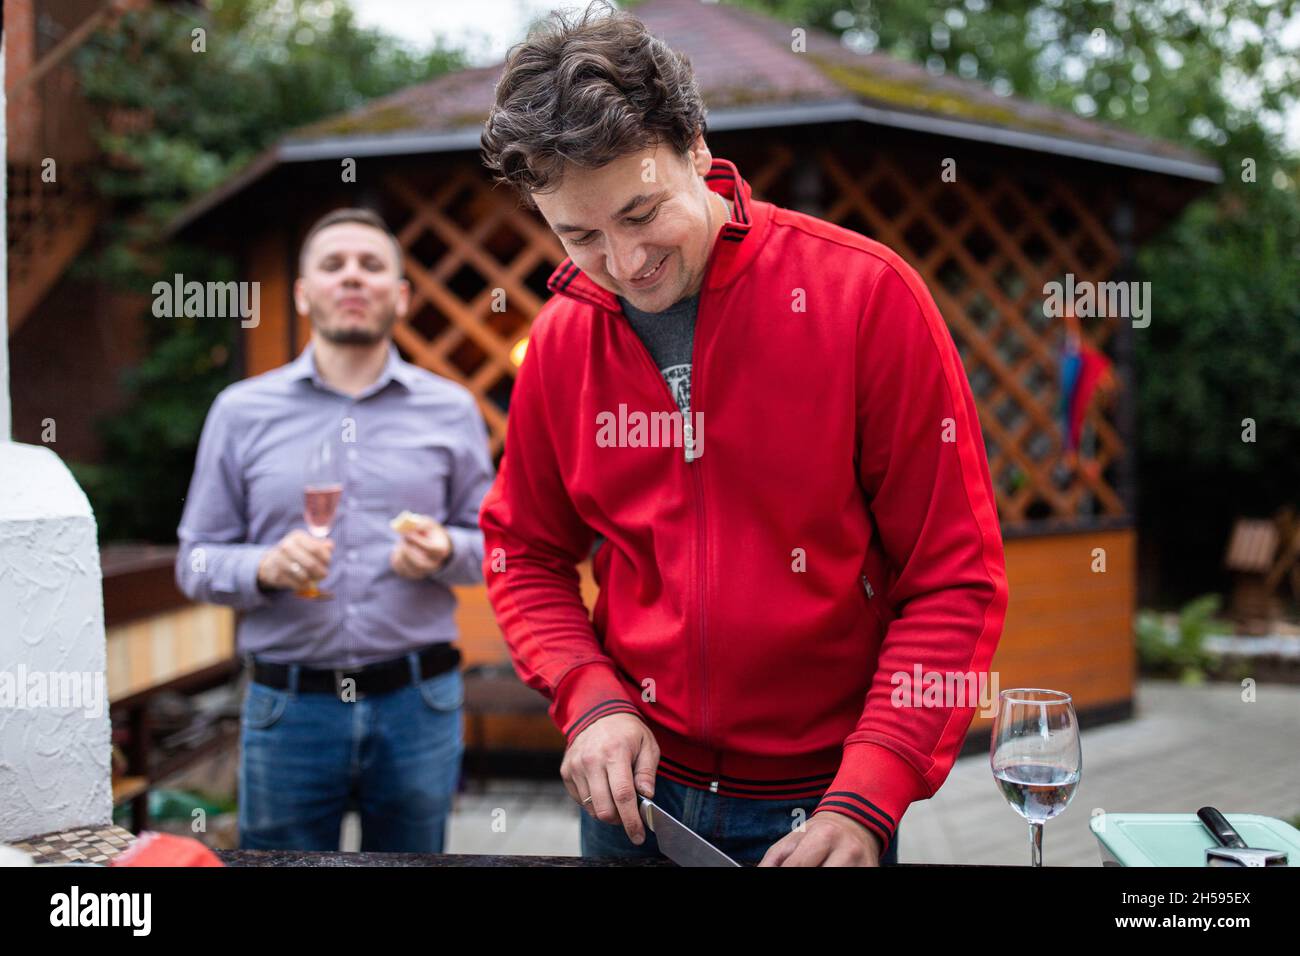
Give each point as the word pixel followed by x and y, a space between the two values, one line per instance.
pixel 641 226
pixel 350 285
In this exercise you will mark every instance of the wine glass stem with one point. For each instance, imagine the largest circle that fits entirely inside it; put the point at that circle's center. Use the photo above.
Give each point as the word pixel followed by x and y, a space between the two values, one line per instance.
pixel 1035 843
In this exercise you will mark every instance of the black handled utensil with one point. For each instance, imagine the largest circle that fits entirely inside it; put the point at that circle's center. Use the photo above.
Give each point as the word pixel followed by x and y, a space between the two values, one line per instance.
pixel 1232 849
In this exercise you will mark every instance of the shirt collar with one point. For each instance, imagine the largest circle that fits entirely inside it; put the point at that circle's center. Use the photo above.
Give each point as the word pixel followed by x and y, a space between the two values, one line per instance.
pixel 394 370
pixel 734 248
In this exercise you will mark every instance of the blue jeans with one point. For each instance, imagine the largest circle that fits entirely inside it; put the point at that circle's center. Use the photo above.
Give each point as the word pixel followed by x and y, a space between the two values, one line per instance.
pixel 744 829
pixel 306 759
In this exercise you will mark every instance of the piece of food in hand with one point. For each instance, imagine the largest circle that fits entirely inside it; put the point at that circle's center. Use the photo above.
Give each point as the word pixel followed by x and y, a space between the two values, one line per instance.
pixel 409 521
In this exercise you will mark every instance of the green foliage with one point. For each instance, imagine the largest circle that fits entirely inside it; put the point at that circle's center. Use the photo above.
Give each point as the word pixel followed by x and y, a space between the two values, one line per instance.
pixel 1224 346
pixel 138 491
pixel 267 67
pixel 1180 653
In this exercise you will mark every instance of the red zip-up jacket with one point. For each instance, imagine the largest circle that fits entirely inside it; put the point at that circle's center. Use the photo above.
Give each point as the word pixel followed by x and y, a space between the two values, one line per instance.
pixel 836 528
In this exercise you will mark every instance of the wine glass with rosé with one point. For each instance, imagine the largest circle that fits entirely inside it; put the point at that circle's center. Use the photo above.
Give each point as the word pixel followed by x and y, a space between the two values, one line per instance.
pixel 321 496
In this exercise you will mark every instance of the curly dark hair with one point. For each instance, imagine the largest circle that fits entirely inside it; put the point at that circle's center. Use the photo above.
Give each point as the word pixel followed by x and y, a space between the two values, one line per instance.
pixel 587 92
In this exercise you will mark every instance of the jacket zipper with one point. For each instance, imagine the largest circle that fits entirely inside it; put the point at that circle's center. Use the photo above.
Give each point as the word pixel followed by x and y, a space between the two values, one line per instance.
pixel 698 486
pixel 688 441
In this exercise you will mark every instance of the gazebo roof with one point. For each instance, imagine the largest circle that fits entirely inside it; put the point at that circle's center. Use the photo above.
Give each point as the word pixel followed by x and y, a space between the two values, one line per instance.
pixel 750 78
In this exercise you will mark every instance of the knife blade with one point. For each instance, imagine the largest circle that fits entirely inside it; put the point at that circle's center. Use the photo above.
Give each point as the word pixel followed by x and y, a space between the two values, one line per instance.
pixel 679 842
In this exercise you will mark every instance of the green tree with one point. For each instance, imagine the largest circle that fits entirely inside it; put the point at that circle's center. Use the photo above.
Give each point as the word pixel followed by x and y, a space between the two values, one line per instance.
pixel 214 88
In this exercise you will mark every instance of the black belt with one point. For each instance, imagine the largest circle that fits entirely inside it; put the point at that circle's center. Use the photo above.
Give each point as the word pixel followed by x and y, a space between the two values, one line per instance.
pixel 379 678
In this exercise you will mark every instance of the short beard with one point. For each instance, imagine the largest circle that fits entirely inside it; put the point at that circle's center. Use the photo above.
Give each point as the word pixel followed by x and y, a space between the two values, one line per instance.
pixel 356 336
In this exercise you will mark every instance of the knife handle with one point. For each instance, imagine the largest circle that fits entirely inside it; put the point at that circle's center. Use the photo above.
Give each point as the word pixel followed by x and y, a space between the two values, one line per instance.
pixel 647 814
pixel 1220 828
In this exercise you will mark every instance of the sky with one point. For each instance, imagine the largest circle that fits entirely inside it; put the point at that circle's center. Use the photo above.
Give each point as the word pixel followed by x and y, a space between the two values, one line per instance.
pixel 484 28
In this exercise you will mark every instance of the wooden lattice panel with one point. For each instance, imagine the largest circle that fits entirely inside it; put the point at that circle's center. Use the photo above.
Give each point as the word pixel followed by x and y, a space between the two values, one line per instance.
pixel 986 245
pixel 462 242
pixel 49 223
pixel 37 210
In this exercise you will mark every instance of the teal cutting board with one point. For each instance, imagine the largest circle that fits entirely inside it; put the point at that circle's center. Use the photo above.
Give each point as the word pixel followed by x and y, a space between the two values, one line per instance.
pixel 1180 839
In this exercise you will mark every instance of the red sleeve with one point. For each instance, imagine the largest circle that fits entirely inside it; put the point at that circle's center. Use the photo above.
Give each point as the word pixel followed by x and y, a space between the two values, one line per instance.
pixel 923 468
pixel 533 539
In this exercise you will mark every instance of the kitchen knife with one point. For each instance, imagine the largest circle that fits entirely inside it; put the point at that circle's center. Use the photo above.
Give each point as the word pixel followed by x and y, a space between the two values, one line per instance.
pixel 1232 849
pixel 679 842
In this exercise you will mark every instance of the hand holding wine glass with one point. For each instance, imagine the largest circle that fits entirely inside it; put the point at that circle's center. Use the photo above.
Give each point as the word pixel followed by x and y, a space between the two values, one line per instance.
pixel 296 559
pixel 1036 756
pixel 321 497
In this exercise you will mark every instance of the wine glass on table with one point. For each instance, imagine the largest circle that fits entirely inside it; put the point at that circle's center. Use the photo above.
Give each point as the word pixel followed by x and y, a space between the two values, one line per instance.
pixel 1036 756
pixel 321 496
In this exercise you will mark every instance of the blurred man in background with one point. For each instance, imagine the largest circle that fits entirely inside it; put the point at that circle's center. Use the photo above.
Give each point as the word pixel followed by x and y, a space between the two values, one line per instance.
pixel 355 701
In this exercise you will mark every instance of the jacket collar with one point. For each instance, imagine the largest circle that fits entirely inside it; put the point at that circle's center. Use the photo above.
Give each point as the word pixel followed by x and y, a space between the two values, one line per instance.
pixel 735 246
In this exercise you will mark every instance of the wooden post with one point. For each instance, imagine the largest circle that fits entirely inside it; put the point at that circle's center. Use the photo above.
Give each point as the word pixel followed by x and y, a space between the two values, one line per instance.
pixel 1125 361
pixel 269 344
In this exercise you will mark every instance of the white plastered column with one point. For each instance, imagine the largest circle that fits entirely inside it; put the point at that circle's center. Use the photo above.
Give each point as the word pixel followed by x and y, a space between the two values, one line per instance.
pixel 55 758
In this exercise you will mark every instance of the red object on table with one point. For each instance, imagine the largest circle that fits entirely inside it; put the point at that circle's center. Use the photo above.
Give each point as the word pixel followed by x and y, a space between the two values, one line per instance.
pixel 165 849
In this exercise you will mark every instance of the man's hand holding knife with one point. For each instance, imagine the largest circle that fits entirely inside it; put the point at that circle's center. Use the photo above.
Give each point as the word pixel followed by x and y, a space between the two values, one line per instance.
pixel 612 763
pixel 607 766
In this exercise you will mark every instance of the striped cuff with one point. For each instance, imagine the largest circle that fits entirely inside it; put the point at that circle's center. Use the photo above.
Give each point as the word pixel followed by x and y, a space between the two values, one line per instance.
pixel 603 709
pixel 874 787
pixel 587 693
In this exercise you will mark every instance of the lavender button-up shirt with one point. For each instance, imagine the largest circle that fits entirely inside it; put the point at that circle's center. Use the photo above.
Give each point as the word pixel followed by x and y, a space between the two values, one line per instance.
pixel 412 441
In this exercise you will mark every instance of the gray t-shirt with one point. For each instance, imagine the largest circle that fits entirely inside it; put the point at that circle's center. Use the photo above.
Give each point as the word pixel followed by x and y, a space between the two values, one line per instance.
pixel 668 336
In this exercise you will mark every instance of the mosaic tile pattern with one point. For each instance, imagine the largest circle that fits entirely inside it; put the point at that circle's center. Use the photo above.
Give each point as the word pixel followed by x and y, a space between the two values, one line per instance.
pixel 84 845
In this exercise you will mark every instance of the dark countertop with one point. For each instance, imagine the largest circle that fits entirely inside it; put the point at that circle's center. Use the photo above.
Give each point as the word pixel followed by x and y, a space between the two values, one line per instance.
pixel 304 858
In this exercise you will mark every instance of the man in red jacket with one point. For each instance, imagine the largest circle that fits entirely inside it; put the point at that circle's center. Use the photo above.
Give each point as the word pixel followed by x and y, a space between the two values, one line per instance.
pixel 764 421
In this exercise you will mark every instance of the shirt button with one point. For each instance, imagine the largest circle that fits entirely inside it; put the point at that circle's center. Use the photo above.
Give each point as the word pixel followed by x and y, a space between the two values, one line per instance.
pixel 352 454
pixel 349 610
pixel 354 555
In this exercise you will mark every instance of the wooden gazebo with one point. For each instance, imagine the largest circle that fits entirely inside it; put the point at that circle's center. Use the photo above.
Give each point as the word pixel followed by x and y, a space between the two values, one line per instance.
pixel 860 140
